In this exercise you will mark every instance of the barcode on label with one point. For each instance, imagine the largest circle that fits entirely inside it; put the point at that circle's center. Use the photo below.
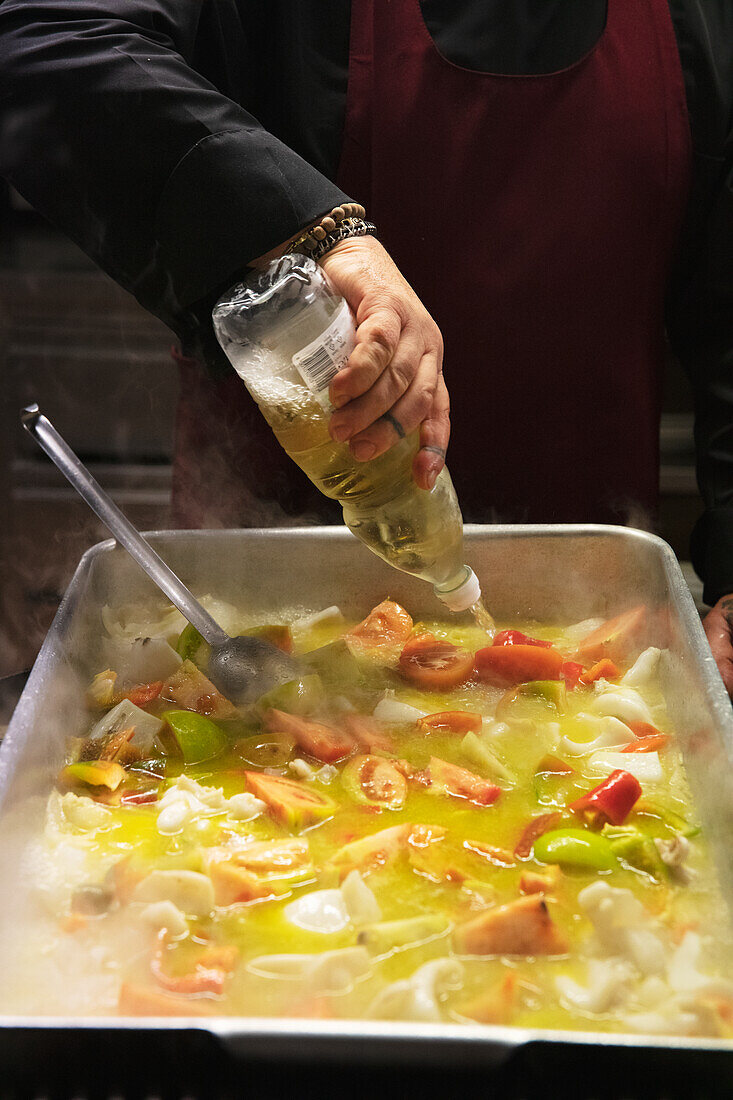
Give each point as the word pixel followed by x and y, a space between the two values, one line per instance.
pixel 319 361
pixel 319 367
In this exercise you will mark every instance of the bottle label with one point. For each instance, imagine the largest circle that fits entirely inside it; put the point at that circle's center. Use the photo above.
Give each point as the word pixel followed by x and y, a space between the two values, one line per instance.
pixel 318 362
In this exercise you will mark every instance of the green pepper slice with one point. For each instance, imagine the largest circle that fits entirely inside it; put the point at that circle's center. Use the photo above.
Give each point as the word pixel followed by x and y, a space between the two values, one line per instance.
pixel 578 849
pixel 197 737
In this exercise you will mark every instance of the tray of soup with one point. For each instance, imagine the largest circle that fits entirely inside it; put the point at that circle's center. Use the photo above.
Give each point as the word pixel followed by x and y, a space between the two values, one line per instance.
pixel 434 845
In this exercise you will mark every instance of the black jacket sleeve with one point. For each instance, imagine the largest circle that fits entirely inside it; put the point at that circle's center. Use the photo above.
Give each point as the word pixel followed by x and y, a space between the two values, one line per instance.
pixel 108 130
pixel 700 306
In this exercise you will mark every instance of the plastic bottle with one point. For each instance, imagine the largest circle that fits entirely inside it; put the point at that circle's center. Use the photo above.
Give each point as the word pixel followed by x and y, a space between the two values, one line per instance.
pixel 287 332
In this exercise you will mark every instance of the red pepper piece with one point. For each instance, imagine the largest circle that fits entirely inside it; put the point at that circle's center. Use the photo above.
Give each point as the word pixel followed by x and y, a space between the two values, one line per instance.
pixel 534 829
pixel 571 672
pixel 652 743
pixel 516 637
pixel 611 801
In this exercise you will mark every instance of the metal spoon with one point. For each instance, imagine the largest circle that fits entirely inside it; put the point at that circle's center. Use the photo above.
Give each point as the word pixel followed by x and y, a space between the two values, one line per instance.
pixel 241 668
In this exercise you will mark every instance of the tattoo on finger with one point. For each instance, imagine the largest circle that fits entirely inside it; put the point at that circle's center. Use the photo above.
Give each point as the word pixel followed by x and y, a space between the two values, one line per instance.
pixel 394 423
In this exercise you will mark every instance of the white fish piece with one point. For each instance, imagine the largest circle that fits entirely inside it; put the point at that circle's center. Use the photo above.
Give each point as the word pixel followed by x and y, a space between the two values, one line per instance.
pixel 301 769
pixel 361 904
pixel 321 911
pixel 161 915
pixel 674 853
pixel 645 766
pixel 607 985
pixel 623 926
pixel 611 731
pixel 325 972
pixel 83 812
pixel 684 975
pixel 394 712
pixel 643 668
pixel 174 817
pixel 244 806
pixel 190 891
pixel 124 716
pixel 624 703
pixel 418 997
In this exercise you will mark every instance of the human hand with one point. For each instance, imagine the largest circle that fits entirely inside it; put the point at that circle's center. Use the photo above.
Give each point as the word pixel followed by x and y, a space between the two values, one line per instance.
pixel 393 382
pixel 718 626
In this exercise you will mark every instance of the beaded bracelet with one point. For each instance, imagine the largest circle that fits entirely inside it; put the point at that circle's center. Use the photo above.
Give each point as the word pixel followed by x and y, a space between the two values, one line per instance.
pixel 347 220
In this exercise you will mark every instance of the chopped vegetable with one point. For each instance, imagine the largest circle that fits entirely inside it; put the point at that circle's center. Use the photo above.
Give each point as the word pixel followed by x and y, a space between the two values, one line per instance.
pixel 613 800
pixel 190 689
pixel 616 639
pixel 479 753
pixel 434 664
pixel 460 783
pixel 189 643
pixel 523 927
pixel 534 829
pixel 395 712
pixel 571 671
pixel 291 803
pixel 375 850
pixel 392 935
pixel 375 782
pixel 452 721
pixel 645 766
pixel 276 634
pixel 93 773
pixel 575 849
pixel 367 733
pixel 197 737
pixel 296 697
pixel 266 750
pixel 514 664
pixel 144 693
pixel 516 637
pixel 318 740
pixel 652 742
pixel 101 691
pixel 126 716
pixel 601 670
pixel 386 624
pixel 635 849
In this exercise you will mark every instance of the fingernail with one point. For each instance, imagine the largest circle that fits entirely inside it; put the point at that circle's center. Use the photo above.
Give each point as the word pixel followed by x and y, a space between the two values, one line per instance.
pixel 363 451
pixel 340 432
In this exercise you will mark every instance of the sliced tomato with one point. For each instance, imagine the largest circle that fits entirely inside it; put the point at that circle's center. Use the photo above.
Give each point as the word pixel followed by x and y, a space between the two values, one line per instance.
pixel 375 781
pixel 534 829
pixel 323 742
pixel 516 664
pixel 462 783
pixel 386 624
pixel 452 721
pixel 144 693
pixel 368 734
pixel 290 802
pixel 516 637
pixel 616 638
pixel 433 663
pixel 601 670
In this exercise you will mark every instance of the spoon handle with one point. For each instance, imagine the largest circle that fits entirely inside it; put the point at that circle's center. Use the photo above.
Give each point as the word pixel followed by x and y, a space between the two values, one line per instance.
pixel 72 468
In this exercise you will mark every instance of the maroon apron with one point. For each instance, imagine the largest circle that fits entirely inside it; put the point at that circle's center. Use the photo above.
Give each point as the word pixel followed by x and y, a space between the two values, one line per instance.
pixel 536 217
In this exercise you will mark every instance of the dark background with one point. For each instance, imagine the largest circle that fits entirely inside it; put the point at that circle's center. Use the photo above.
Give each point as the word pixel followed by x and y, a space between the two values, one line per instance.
pixel 99 366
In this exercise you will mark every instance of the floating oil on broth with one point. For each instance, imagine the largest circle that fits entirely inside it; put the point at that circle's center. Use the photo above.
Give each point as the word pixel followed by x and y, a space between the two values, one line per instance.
pixel 272 908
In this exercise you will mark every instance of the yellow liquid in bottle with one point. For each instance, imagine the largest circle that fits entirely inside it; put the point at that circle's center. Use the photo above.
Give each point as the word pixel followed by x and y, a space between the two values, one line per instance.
pixel 413 530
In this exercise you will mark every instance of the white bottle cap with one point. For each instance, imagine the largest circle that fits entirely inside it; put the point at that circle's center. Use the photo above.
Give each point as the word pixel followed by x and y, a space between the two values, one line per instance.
pixel 465 595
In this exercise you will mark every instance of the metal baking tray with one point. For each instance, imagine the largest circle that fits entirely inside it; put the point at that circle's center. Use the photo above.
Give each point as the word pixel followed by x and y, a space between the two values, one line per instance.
pixel 549 573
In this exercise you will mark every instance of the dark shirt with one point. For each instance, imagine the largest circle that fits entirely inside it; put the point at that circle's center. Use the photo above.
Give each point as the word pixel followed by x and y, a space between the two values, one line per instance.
pixel 175 140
